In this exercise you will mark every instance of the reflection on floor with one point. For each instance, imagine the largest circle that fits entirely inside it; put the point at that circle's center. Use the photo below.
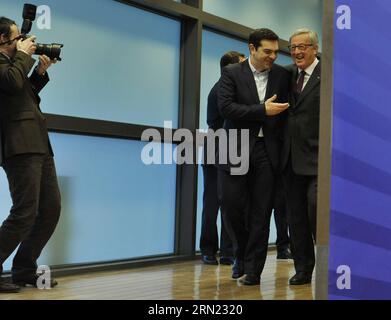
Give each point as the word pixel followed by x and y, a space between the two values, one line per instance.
pixel 184 280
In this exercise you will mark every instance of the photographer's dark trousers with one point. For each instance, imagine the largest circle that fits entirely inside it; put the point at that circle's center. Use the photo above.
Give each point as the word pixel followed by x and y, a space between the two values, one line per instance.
pixel 209 242
pixel 35 211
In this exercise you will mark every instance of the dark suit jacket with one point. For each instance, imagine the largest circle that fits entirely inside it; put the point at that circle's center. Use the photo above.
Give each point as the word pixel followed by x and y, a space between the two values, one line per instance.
pixel 213 118
pixel 240 106
pixel 301 136
pixel 22 126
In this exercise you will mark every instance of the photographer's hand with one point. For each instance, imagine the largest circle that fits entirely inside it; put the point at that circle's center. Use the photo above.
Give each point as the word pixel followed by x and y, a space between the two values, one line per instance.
pixel 27 46
pixel 44 64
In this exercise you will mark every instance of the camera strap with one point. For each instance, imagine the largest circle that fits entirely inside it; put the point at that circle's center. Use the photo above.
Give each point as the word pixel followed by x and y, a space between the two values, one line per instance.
pixel 5 56
pixel 11 40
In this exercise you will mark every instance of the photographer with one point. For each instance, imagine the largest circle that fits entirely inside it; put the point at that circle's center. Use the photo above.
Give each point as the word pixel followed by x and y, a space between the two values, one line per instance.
pixel 26 156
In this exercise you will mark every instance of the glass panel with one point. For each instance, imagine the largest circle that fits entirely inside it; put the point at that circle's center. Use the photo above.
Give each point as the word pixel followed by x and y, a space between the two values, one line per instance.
pixel 117 64
pixel 112 206
pixel 281 16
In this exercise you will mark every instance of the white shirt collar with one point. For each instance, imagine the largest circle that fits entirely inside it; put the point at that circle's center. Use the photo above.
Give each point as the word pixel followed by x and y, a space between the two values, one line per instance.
pixel 255 71
pixel 311 68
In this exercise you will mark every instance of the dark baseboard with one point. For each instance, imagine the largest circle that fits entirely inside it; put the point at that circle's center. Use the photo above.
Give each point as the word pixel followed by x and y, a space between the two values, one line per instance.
pixel 82 268
pixel 74 269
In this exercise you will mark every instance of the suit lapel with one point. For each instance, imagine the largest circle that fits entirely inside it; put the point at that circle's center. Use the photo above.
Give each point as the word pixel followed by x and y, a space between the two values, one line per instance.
pixel 249 77
pixel 313 81
pixel 270 85
pixel 293 86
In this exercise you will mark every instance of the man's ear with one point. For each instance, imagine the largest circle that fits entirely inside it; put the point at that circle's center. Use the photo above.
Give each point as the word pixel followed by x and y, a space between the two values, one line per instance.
pixel 251 47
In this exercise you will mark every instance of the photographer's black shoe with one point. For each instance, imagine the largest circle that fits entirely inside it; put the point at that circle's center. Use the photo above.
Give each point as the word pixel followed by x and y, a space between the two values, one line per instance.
pixel 6 287
pixel 31 281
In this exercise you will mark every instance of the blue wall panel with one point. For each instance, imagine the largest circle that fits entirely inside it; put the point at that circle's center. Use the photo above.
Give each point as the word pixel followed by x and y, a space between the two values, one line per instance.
pixel 117 64
pixel 360 226
pixel 113 206
pixel 213 47
pixel 121 63
pixel 282 16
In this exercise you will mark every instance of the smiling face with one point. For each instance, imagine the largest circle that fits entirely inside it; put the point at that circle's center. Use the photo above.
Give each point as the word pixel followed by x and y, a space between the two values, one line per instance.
pixel 264 56
pixel 303 51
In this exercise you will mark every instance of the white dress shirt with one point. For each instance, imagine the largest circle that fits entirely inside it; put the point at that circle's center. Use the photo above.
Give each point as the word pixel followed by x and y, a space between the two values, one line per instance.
pixel 261 79
pixel 308 72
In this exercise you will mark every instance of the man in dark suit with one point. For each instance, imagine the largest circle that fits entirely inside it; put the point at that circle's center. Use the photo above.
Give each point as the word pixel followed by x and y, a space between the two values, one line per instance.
pixel 209 242
pixel 300 152
pixel 252 98
pixel 26 157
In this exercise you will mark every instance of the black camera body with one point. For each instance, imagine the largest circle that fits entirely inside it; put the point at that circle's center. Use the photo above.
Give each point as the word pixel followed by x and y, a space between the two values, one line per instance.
pixel 53 50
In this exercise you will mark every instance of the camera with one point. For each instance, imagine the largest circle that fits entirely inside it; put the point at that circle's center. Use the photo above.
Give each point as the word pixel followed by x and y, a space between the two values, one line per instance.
pixel 53 50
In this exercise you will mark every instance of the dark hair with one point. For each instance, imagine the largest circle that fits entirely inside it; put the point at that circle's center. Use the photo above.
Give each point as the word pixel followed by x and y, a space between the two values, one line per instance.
pixel 230 58
pixel 5 26
pixel 261 34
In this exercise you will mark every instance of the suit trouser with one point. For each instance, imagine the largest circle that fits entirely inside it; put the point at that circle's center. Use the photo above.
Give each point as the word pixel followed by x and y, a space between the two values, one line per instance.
pixel 35 211
pixel 280 216
pixel 250 194
pixel 301 195
pixel 209 242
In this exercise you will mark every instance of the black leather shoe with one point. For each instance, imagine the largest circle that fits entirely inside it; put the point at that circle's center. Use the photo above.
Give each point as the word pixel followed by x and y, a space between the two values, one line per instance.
pixel 227 260
pixel 237 269
pixel 32 281
pixel 209 260
pixel 284 254
pixel 300 278
pixel 251 279
pixel 6 287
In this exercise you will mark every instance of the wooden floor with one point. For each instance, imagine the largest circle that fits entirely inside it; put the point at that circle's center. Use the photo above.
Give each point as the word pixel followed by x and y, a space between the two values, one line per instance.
pixel 184 280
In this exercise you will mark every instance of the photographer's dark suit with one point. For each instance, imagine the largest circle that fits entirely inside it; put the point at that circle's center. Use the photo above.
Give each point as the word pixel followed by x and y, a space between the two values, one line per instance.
pixel 27 159
pixel 300 164
pixel 239 104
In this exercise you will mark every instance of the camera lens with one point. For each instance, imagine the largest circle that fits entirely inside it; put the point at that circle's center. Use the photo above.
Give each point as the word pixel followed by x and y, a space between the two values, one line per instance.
pixel 53 50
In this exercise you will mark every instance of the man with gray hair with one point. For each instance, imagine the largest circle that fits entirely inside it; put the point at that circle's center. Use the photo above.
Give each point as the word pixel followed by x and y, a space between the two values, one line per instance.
pixel 300 152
